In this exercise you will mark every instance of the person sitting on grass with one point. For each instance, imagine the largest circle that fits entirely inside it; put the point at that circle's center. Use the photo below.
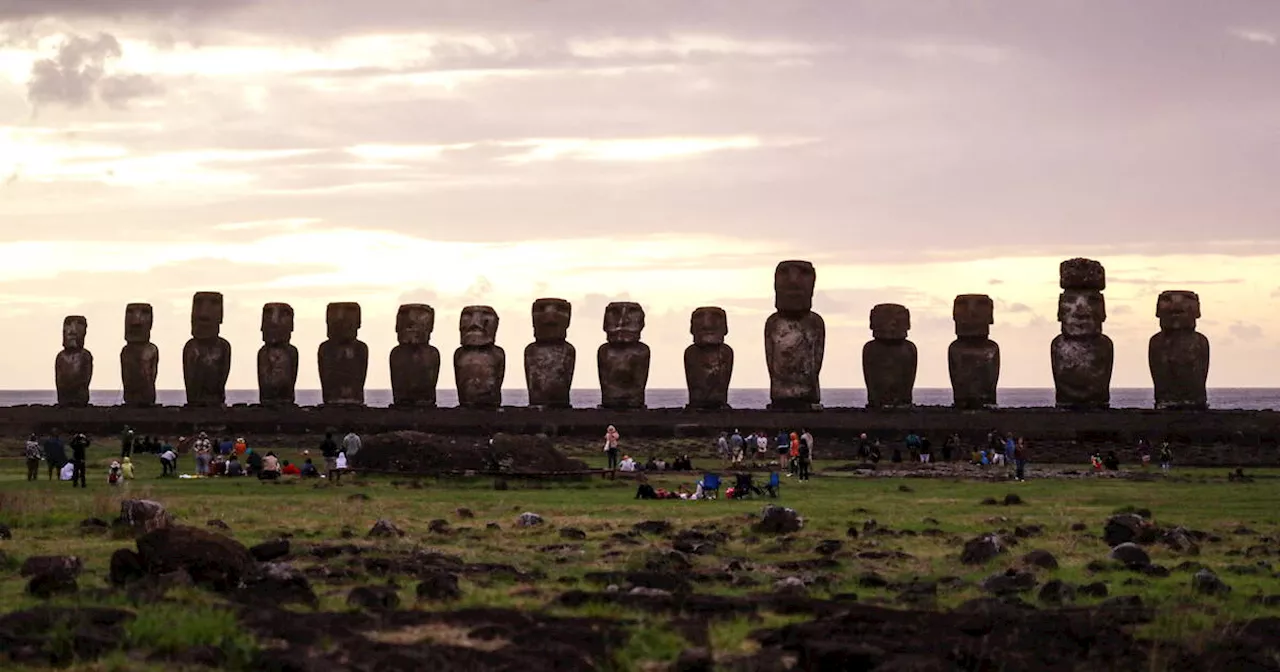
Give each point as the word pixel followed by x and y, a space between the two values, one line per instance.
pixel 290 469
pixel 234 467
pixel 114 473
pixel 270 467
pixel 309 469
pixel 627 464
pixel 1111 462
pixel 252 462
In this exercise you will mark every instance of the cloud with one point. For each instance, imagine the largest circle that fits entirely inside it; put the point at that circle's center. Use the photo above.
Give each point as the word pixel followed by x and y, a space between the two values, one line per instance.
pixel 1018 308
pixel 1245 331
pixel 1255 36
pixel 12 10
pixel 77 75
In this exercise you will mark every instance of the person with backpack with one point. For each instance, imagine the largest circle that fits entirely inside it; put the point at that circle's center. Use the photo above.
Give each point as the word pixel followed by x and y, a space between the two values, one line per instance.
pixel 913 443
pixel 803 455
pixel 34 455
pixel 926 450
pixel 1020 459
pixel 79 445
pixel 55 454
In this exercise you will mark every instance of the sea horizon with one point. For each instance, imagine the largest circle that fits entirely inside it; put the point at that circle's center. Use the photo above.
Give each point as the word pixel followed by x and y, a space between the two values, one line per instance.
pixel 1226 398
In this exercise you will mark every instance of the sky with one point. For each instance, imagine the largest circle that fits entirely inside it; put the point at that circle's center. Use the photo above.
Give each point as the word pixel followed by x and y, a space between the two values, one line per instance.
pixel 670 152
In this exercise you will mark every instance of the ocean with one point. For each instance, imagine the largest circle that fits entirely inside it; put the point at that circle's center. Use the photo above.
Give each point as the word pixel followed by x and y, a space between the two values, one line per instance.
pixel 1221 398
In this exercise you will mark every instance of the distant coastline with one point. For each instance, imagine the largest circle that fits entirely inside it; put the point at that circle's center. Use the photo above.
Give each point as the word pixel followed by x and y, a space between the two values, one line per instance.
pixel 743 398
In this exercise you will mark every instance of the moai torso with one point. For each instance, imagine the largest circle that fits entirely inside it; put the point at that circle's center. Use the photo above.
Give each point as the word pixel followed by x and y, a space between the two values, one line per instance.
pixel 277 358
pixel 343 359
pixel 973 359
pixel 73 367
pixel 415 363
pixel 140 358
pixel 795 340
pixel 889 361
pixel 623 361
pixel 1082 356
pixel 550 360
pixel 708 363
pixel 479 365
pixel 206 358
pixel 1179 355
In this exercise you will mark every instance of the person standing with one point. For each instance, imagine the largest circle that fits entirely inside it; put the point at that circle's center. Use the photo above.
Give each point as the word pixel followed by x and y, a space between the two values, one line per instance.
pixel 807 439
pixel 55 454
pixel 611 446
pixel 1020 459
pixel 203 448
pixel 1166 456
pixel 351 444
pixel 735 444
pixel 803 458
pixel 126 442
pixel 79 445
pixel 34 455
pixel 329 449
pixel 950 447
pixel 913 445
pixel 722 447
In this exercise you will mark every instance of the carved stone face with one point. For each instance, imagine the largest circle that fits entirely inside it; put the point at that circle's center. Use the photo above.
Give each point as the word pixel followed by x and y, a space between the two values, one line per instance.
pixel 1178 310
pixel 138 318
pixel 709 326
pixel 890 322
pixel 414 324
pixel 206 314
pixel 793 283
pixel 342 321
pixel 974 314
pixel 1082 274
pixel 478 326
pixel 1081 312
pixel 277 323
pixel 623 322
pixel 551 319
pixel 74 329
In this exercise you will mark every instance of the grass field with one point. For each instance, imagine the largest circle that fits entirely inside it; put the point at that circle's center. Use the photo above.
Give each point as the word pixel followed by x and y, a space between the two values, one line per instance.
pixel 45 520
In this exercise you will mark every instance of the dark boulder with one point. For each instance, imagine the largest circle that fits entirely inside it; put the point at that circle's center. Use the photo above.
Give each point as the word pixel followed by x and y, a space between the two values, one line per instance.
pixel 213 560
pixel 1130 555
pixel 373 598
pixel 980 550
pixel 439 587
pixel 1057 592
pixel 1040 558
pixel 778 520
pixel 270 550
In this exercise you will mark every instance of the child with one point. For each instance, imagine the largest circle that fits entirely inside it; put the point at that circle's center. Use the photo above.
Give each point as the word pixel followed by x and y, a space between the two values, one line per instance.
pixel 126 469
pixel 1166 456
pixel 114 474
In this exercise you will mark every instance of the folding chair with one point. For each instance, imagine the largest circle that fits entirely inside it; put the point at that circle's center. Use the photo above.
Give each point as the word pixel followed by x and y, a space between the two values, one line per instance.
pixel 744 486
pixel 711 486
pixel 775 484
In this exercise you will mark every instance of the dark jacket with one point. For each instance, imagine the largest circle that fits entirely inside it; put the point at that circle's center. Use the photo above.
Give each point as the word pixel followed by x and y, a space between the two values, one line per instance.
pixel 78 446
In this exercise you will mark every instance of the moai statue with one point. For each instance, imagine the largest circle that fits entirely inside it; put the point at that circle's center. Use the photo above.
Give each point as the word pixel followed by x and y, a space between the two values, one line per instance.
pixel 795 340
pixel 140 358
pixel 708 363
pixel 206 358
pixel 415 363
pixel 889 361
pixel 973 358
pixel 1082 356
pixel 343 358
pixel 549 361
pixel 278 357
pixel 1179 355
pixel 479 365
pixel 623 361
pixel 73 367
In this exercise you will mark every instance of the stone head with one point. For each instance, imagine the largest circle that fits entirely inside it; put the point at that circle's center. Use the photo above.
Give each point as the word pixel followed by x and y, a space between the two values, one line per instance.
pixel 478 326
pixel 206 314
pixel 709 325
pixel 623 322
pixel 74 328
pixel 974 314
pixel 1082 274
pixel 1081 312
pixel 1178 310
pixel 890 322
pixel 277 323
pixel 793 283
pixel 414 324
pixel 138 318
pixel 342 321
pixel 551 319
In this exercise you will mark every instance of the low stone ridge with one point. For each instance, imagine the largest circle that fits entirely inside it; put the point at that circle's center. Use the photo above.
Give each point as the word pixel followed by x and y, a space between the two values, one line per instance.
pixel 419 452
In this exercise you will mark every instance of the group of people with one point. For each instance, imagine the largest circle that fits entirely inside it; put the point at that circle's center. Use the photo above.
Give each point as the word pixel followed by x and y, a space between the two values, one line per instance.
pixel 793 449
pixel 1111 462
pixel 53 452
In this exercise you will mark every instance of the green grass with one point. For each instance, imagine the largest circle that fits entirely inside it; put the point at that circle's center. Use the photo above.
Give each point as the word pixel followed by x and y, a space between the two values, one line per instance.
pixel 45 520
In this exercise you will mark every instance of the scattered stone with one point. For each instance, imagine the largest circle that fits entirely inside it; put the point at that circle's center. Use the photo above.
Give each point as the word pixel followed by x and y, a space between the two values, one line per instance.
pixel 1257 551
pixel 1096 566
pixel 1243 532
pixel 852 533
pixel 1145 513
pixel 126 567
pixel 573 533
pixel 1189 567
pixel 667 560
pixel 439 587
pixel 347 532
pixel 45 586
pixel 790 584
pixel 829 547
pixel 1040 558
pixel 778 520
pixel 694 660
pixel 1156 571
pixel 930 521
pixel 144 515
pixel 870 526
pixel 652 527
pixel 1012 499
pixel 384 529
pixel 492 526
pixel 1179 540
pixel 213 560
pixel 438 526
pixel 1009 583
pixel 989 501
pixel 464 512
pixel 980 550
pixel 1131 555
pixel 270 550
pixel 1095 589
pixel 919 594
pixel 1079 527
pixel 1057 592
pixel 872 580
pixel 62 565
pixel 1122 602
pixel 94 526
pixel 218 525
pixel 1127 527
pixel 373 598
pixel 1136 583
pixel 1208 583
pixel 649 592
pixel 278 583
pixel 529 519
pixel 885 555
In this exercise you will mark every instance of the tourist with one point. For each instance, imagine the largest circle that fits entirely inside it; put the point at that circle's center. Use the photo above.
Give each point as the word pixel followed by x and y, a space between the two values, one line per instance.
pixel 168 462
pixel 983 458
pixel 782 444
pixel 240 446
pixel 1144 452
pixel 68 471
pixel 950 447
pixel 1111 462
pixel 651 465
pixel 252 462
pixel 875 451
pixel 341 463
pixel 793 451
pixel 289 469
pixel 1095 460
pixel 762 446
pixel 661 464
pixel 735 444
pixel 126 468
pixel 139 446
pixel 126 442
pixel 351 444
pixel 79 445
pixel 218 466
pixel 55 454
pixel 896 456
pixel 203 448
pixel 1166 456
pixel 864 446
pixel 329 449
pixel 34 455
pixel 803 458
pixel 270 468
pixel 807 439
pixel 913 444
pixel 1020 459
pixel 722 447
pixel 611 447
pixel 627 464
pixel 167 447
pixel 114 473
pixel 234 467
pixel 309 470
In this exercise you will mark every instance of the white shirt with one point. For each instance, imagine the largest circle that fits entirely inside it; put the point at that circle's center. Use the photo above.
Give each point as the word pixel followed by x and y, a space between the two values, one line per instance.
pixel 342 460
pixel 627 465
pixel 168 455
